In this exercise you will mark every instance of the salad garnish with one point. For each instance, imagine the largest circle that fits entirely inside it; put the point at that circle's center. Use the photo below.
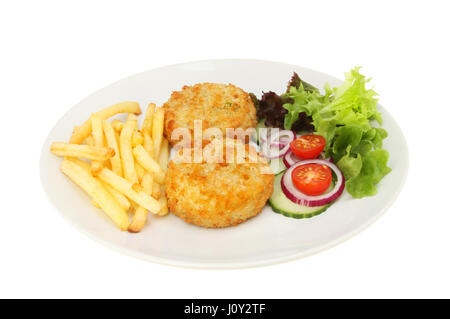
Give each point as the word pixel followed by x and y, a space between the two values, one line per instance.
pixel 345 116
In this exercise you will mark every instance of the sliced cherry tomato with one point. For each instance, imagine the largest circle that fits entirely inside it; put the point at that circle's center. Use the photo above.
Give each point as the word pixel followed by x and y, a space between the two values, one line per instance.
pixel 312 179
pixel 308 146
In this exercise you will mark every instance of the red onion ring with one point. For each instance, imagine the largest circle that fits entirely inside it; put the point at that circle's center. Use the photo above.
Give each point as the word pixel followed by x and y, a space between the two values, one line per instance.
pixel 300 198
pixel 281 138
pixel 272 148
pixel 282 142
pixel 290 158
pixel 273 152
pixel 285 137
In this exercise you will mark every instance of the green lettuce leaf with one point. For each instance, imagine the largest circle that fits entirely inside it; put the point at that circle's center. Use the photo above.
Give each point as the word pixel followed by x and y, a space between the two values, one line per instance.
pixel 374 168
pixel 349 165
pixel 346 138
pixel 303 100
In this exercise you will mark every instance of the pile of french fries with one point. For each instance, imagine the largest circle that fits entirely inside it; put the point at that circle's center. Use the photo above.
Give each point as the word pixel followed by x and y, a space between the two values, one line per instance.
pixel 127 165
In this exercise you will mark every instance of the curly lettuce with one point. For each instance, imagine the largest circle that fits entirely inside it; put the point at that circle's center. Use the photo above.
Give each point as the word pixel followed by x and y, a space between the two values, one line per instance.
pixel 347 117
pixel 270 111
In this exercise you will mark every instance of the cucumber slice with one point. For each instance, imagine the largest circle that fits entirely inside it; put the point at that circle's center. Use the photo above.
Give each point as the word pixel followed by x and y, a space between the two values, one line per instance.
pixel 282 205
pixel 277 165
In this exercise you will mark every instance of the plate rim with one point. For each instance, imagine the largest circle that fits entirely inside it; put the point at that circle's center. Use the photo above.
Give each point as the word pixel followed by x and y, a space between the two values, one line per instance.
pixel 224 265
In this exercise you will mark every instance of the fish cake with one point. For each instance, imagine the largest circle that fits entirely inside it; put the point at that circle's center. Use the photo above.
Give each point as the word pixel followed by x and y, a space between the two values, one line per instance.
pixel 218 194
pixel 216 105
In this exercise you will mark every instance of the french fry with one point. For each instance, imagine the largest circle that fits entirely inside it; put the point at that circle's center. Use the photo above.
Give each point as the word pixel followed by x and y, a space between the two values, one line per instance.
pixel 97 134
pixel 89 141
pixel 140 215
pixel 85 151
pixel 147 183
pixel 148 143
pixel 95 189
pixel 137 139
pixel 86 128
pixel 117 125
pixel 156 190
pixel 144 159
pixel 126 188
pixel 139 219
pixel 97 131
pixel 96 204
pixel 126 154
pixel 148 119
pixel 164 155
pixel 121 199
pixel 131 117
pixel 163 161
pixel 117 139
pixel 116 163
pixel 163 201
pixel 140 171
pixel 157 130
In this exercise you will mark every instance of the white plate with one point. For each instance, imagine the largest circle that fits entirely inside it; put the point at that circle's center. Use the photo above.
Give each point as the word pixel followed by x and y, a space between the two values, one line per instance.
pixel 266 239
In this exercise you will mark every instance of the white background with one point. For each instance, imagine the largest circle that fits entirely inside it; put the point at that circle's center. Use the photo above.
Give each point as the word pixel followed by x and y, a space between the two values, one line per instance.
pixel 54 53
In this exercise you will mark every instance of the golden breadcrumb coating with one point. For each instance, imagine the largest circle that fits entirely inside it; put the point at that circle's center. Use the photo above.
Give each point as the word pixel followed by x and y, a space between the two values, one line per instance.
pixel 217 105
pixel 219 194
